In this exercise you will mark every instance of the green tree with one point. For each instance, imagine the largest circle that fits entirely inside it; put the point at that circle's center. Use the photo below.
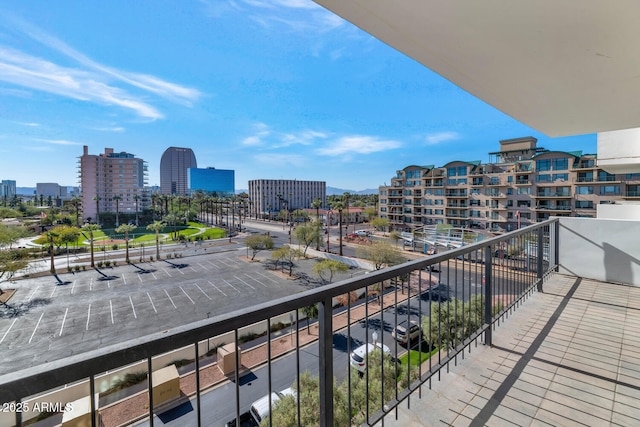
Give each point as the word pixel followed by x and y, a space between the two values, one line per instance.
pixel 172 220
pixel 380 254
pixel 339 206
pixel 52 236
pixel 382 374
pixel 330 267
pixel 258 243
pixel 370 213
pixel 447 326
pixel 308 234
pixel 10 234
pixel 380 224
pixel 11 261
pixel 287 254
pixel 285 411
pixel 66 235
pixel 395 236
pixel 91 228
pixel 156 226
pixel 126 229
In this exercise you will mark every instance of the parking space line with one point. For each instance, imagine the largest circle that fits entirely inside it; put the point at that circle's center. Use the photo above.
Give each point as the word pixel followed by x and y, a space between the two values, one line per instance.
pixel 234 288
pixel 91 284
pixel 108 283
pixel 124 279
pixel 255 280
pixel 33 293
pixel 140 277
pixel 88 317
pixel 180 271
pixel 111 308
pixel 5 334
pixel 154 276
pixel 266 277
pixel 165 270
pixel 36 328
pixel 132 307
pixel 216 288
pixel 64 318
pixel 53 291
pixel 200 264
pixel 169 296
pixel 73 286
pixel 185 292
pixel 152 304
pixel 236 277
pixel 205 294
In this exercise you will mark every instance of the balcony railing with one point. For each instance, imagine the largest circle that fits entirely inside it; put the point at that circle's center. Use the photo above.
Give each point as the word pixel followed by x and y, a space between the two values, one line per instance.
pixel 509 268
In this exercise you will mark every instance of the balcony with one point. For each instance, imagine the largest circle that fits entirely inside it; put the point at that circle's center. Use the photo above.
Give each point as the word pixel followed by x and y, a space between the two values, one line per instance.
pixel 546 313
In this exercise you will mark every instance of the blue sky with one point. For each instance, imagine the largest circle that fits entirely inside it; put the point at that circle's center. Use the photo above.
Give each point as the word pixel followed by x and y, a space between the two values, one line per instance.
pixel 274 89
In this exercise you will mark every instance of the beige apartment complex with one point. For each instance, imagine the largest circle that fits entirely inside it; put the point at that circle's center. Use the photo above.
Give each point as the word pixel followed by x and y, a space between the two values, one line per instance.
pixel 525 184
pixel 111 181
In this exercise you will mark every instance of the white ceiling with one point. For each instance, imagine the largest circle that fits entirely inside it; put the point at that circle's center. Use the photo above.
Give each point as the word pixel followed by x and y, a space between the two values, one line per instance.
pixel 563 67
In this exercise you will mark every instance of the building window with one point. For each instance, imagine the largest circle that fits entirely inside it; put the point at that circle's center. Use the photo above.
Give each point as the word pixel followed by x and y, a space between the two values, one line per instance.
pixel 609 189
pixel 560 164
pixel 586 189
pixel 543 177
pixel 543 165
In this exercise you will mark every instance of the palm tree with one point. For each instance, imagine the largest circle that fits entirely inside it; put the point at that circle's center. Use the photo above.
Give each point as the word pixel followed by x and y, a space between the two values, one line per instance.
pixel 126 229
pixel 339 206
pixel 346 196
pixel 75 202
pixel 90 228
pixel 117 199
pixel 316 204
pixel 172 219
pixel 52 236
pixel 97 199
pixel 157 226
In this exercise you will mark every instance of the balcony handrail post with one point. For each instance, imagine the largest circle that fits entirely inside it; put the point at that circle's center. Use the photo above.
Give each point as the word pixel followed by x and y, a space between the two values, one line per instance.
pixel 556 241
pixel 488 297
pixel 150 382
pixel 540 257
pixel 92 400
pixel 325 344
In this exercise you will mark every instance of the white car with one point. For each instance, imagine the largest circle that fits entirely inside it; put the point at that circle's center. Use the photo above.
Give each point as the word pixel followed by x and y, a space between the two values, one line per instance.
pixel 260 408
pixel 358 357
pixel 362 233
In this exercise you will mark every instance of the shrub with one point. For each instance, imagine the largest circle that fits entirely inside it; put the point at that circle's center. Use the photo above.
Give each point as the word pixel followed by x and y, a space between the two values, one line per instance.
pixel 115 263
pixel 114 247
pixel 248 337
pixel 100 264
pixel 180 362
pixel 151 258
pixel 128 381
pixel 275 327
pixel 107 263
pixel 77 268
pixel 214 350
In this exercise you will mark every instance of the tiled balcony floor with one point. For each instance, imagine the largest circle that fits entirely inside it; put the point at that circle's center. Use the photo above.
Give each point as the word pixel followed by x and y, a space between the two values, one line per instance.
pixel 567 357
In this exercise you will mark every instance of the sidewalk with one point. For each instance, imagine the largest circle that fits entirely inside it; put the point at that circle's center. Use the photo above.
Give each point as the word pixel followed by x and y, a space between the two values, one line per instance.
pixel 136 407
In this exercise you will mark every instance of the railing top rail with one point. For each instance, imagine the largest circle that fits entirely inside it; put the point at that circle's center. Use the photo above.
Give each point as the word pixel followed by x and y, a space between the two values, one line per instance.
pixel 36 379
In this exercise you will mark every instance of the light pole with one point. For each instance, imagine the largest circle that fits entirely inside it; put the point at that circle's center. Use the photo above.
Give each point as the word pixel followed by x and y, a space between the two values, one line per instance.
pixel 374 336
pixel 328 229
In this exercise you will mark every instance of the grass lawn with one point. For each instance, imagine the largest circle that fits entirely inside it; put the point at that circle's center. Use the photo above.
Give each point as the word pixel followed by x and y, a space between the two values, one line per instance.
pixel 417 357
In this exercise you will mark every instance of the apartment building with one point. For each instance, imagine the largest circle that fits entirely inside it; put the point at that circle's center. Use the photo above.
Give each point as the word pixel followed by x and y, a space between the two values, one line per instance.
pixel 111 181
pixel 521 185
pixel 7 188
pixel 269 196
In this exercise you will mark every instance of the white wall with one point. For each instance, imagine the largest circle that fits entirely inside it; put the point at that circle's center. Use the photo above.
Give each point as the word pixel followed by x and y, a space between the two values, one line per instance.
pixel 601 249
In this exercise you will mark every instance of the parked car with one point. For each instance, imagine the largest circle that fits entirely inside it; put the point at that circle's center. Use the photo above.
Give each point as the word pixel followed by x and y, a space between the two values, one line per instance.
pixel 260 409
pixel 358 356
pixel 407 331
pixel 363 233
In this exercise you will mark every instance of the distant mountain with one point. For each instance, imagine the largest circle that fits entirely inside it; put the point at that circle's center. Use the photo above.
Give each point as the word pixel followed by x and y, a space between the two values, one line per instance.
pixel 26 191
pixel 332 191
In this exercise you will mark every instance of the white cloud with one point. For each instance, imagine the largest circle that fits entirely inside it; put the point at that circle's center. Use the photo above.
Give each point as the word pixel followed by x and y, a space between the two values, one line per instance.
pixel 110 129
pixel 440 137
pixel 261 131
pixel 60 142
pixel 91 82
pixel 359 145
pixel 33 125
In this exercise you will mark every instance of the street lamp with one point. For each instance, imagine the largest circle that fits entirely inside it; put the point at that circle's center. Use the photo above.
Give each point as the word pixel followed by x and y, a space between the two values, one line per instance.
pixel 374 336
pixel 328 229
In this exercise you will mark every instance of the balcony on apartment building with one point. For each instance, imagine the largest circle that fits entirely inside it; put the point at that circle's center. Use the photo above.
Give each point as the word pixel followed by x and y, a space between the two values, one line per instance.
pixel 546 193
pixel 556 300
pixel 459 193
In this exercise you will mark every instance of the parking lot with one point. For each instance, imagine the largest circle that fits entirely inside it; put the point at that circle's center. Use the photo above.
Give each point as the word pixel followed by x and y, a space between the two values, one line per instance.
pixel 48 319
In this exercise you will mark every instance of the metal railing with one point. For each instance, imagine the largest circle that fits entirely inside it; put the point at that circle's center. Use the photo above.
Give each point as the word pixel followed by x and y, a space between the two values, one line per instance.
pixel 458 298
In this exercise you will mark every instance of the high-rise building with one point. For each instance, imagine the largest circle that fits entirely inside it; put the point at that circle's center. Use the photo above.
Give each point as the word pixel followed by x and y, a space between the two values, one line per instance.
pixel 174 164
pixel 269 196
pixel 111 181
pixel 522 185
pixel 7 188
pixel 220 182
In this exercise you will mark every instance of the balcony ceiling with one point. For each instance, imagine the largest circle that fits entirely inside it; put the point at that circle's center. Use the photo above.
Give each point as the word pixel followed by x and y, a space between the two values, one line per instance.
pixel 561 67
